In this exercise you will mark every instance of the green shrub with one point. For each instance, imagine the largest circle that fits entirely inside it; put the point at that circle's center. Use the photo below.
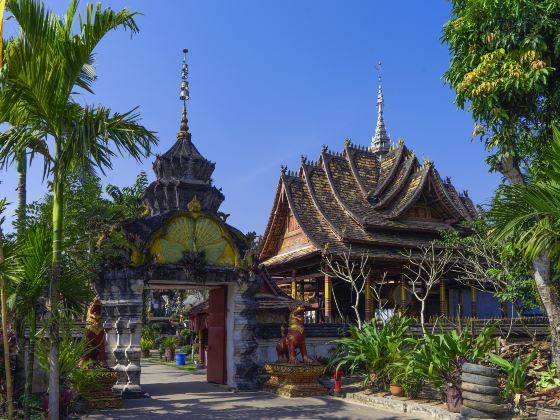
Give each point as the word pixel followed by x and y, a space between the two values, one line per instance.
pixel 146 344
pixel 548 379
pixel 438 358
pixel 516 371
pixel 169 343
pixel 374 352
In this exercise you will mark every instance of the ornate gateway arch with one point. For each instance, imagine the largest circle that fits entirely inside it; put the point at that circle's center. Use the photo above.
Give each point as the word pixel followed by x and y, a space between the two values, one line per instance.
pixel 183 241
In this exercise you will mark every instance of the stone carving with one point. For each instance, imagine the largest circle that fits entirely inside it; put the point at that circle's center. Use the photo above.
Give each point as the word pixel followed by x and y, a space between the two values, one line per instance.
pixel 95 335
pixel 295 339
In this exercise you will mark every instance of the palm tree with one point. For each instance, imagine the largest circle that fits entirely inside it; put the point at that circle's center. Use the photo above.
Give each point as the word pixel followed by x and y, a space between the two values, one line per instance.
pixel 30 287
pixel 45 66
pixel 10 269
pixel 529 216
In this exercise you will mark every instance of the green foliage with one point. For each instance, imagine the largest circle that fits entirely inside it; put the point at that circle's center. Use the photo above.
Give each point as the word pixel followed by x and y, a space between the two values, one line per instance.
pixel 505 67
pixel 438 358
pixel 128 200
pixel 86 379
pixel 146 344
pixel 495 267
pixel 372 350
pixel 150 332
pixel 169 343
pixel 71 350
pixel 516 371
pixel 529 215
pixel 548 378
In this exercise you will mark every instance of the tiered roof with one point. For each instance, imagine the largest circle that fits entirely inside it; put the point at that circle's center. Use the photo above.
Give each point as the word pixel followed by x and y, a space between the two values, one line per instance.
pixel 363 201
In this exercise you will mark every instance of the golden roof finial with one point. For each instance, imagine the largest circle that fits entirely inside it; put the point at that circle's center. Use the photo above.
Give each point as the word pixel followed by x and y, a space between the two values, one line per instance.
pixel 194 205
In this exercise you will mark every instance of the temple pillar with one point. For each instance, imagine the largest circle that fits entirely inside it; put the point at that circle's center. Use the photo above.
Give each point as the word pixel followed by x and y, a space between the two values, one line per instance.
pixel 473 303
pixel 201 360
pixel 327 294
pixel 302 289
pixel 242 324
pixel 294 285
pixel 368 301
pixel 120 293
pixel 460 310
pixel 403 293
pixel 504 310
pixel 442 298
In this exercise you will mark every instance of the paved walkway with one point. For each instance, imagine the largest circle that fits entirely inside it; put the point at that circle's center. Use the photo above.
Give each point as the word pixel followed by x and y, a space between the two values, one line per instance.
pixel 178 394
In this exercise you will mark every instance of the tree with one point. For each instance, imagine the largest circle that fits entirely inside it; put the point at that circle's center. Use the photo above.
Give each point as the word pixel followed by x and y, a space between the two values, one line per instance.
pixel 505 67
pixel 529 216
pixel 480 262
pixel 424 270
pixel 351 269
pixel 9 269
pixel 48 64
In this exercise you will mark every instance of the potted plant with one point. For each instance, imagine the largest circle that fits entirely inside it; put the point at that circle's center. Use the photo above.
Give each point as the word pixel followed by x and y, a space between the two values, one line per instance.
pixel 169 345
pixel 146 345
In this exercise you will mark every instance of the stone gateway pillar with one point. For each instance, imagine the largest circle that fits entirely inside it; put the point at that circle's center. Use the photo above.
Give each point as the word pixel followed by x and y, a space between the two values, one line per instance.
pixel 120 293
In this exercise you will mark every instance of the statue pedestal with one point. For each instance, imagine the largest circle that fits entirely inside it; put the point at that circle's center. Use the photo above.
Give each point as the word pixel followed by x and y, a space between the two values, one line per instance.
pixel 297 380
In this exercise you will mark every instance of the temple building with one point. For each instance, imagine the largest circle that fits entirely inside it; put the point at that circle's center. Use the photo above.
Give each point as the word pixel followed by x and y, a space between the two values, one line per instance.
pixel 380 201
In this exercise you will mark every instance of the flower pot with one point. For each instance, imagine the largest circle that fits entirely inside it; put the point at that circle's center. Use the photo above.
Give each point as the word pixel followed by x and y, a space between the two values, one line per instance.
pixel 145 353
pixel 169 354
pixel 396 390
pixel 453 398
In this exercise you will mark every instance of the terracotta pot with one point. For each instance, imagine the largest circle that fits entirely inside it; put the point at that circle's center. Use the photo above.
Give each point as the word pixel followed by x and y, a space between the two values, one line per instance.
pixel 396 390
pixel 453 397
pixel 169 354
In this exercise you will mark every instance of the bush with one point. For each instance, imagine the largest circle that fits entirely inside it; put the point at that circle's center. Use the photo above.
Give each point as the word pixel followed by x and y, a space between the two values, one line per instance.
pixel 169 343
pixel 516 371
pixel 375 353
pixel 185 349
pixel 439 358
pixel 146 344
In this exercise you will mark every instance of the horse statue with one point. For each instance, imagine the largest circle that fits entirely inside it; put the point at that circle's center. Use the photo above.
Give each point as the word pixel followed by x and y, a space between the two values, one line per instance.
pixel 295 339
pixel 95 336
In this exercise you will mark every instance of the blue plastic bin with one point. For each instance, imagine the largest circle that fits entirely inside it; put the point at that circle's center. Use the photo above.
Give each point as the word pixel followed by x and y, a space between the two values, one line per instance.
pixel 180 358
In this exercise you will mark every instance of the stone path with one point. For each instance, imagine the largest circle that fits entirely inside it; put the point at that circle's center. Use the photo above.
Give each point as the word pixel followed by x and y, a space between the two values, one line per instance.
pixel 178 394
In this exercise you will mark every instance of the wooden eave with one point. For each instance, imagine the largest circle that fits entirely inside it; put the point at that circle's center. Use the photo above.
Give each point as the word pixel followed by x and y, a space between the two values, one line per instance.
pixel 275 226
pixel 405 201
pixel 386 176
pixel 398 183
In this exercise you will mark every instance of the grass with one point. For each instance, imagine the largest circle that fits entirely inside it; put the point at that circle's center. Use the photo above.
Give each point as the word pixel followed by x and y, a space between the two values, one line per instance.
pixel 189 366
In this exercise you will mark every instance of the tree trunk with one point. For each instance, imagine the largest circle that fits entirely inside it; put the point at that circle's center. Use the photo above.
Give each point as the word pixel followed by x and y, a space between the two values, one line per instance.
pixel 422 310
pixel 22 193
pixel 19 324
pixel 30 359
pixel 541 273
pixel 550 301
pixel 54 331
pixel 9 385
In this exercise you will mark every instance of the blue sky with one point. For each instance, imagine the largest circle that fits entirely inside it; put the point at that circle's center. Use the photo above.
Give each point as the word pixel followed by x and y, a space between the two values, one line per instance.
pixel 272 80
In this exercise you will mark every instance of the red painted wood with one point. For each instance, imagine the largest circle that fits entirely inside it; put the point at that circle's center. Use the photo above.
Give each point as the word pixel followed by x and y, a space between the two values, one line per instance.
pixel 216 370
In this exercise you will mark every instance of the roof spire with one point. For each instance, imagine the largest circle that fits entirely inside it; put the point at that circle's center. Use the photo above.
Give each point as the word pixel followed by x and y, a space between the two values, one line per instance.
pixel 380 140
pixel 184 96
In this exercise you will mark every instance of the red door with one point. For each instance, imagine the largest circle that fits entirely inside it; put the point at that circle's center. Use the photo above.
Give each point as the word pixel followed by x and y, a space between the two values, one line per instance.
pixel 216 370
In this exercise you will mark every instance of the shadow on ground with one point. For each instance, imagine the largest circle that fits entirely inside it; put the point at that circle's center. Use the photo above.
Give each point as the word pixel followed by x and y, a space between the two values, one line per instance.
pixel 176 394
